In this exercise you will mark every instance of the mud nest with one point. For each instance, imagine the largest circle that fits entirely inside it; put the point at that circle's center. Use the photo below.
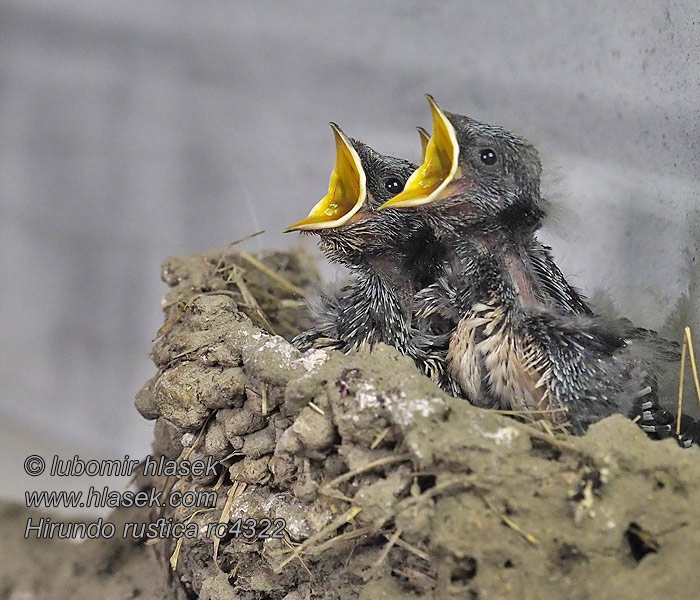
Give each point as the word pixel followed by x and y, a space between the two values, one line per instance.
pixel 388 487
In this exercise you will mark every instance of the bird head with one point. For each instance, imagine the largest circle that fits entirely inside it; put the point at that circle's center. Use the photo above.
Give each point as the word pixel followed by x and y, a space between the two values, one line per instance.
pixel 361 181
pixel 479 174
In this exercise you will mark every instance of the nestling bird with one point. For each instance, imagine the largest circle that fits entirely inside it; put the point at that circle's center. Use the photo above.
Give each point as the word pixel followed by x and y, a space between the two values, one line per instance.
pixel 392 255
pixel 521 339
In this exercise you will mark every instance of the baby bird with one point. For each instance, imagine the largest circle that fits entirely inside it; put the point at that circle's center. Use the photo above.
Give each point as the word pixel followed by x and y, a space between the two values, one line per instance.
pixel 392 255
pixel 522 338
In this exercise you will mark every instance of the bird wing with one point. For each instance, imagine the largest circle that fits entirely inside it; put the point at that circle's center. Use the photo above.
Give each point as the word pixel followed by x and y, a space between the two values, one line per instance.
pixel 552 282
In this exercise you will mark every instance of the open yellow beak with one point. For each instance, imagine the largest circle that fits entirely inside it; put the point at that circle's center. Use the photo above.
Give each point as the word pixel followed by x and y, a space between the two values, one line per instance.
pixel 439 167
pixel 347 189
pixel 424 140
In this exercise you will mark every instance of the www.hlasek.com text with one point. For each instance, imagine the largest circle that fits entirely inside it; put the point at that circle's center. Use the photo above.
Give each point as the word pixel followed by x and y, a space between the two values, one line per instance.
pixel 107 498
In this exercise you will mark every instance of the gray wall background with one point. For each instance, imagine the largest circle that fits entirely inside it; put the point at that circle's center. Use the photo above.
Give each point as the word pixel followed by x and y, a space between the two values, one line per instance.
pixel 133 130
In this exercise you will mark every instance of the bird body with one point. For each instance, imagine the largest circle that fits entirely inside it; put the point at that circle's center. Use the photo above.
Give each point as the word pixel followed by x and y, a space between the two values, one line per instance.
pixel 511 350
pixel 377 304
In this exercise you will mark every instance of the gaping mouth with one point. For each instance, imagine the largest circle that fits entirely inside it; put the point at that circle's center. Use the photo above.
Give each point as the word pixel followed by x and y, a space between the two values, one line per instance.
pixel 347 189
pixel 439 168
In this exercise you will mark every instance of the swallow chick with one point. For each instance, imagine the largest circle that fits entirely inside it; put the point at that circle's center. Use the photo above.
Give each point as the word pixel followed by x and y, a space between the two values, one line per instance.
pixel 391 255
pixel 522 339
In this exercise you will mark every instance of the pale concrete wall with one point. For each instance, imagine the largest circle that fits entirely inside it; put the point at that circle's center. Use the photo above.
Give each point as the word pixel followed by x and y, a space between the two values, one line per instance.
pixel 131 130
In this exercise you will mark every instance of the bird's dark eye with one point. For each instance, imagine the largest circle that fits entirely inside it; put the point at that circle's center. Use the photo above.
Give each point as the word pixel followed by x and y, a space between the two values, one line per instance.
pixel 488 156
pixel 393 185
